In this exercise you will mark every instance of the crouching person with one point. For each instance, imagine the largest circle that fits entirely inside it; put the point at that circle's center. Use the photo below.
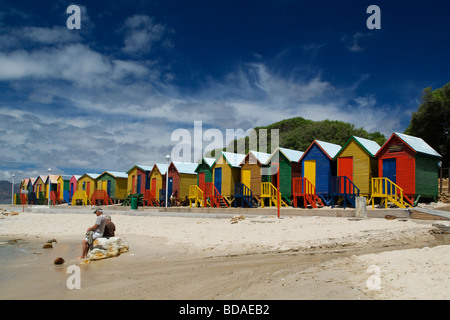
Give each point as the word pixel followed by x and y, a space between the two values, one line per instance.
pixel 94 232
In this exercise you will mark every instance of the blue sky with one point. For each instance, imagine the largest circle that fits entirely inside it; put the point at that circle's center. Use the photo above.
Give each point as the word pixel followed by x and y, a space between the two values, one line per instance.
pixel 110 95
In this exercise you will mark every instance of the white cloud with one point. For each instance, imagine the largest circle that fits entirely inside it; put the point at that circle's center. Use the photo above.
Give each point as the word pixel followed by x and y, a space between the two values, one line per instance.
pixel 141 33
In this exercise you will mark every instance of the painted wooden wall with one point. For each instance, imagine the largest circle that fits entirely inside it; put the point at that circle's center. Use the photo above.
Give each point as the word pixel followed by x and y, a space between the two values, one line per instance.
pixel 405 164
pixel 252 168
pixel 157 181
pixel 230 176
pixel 363 166
pixel 324 168
pixel 204 168
pixel 427 175
pixel 87 184
pixel 118 185
pixel 132 179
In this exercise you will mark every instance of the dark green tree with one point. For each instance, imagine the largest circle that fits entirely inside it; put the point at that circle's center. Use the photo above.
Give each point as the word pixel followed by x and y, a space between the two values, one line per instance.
pixel 431 122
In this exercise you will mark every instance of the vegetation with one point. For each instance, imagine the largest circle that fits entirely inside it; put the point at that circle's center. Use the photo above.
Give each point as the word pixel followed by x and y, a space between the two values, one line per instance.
pixel 431 122
pixel 298 133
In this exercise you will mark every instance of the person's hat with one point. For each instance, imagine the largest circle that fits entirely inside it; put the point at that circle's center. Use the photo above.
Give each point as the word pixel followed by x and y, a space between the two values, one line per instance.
pixel 98 209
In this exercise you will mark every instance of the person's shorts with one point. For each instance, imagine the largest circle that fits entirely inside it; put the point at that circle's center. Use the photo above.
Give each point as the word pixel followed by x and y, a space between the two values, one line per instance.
pixel 91 236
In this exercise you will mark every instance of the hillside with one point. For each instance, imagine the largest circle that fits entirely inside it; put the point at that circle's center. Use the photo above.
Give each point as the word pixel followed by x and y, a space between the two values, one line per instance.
pixel 298 133
pixel 5 191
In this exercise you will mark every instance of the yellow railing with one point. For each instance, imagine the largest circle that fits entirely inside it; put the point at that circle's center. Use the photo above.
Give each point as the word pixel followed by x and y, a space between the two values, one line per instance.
pixel 195 195
pixel 80 195
pixel 388 190
pixel 269 191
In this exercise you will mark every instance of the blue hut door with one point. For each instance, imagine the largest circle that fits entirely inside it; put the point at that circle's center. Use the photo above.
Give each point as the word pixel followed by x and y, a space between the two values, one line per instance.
pixel 390 169
pixel 108 188
pixel 218 179
pixel 138 185
pixel 169 189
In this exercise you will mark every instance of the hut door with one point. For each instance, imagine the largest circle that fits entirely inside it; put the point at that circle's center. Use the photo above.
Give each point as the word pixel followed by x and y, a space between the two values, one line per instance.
pixel 108 187
pixel 390 169
pixel 218 179
pixel 169 189
pixel 138 184
pixel 201 180
pixel 345 168
pixel 153 188
pixel 88 188
pixel 246 177
pixel 310 171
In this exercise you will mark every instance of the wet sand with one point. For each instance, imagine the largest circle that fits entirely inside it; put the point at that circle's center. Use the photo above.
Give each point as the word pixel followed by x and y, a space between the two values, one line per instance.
pixel 171 264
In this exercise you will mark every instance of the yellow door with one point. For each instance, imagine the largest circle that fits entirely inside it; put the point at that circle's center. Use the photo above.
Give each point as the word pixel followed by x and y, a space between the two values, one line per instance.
pixel 246 177
pixel 310 171
pixel 105 185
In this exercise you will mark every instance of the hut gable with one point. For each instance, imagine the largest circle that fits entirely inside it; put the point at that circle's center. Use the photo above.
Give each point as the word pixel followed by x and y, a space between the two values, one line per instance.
pixel 181 176
pixel 288 160
pixel 138 178
pixel 410 163
pixel 318 165
pixel 251 170
pixel 157 178
pixel 227 172
pixel 356 160
pixel 204 171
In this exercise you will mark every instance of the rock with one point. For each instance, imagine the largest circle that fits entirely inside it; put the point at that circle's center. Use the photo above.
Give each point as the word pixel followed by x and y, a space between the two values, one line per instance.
pixel 59 260
pixel 47 246
pixel 235 219
pixel 443 226
pixel 106 248
pixel 390 217
pixel 51 240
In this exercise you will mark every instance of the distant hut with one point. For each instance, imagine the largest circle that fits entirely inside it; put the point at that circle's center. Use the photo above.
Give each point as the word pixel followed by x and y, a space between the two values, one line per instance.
pixel 204 172
pixel 63 188
pixel 356 160
pixel 181 176
pixel 138 178
pixel 290 168
pixel 318 165
pixel 227 172
pixel 114 183
pixel 87 183
pixel 157 177
pixel 73 184
pixel 410 163
pixel 252 169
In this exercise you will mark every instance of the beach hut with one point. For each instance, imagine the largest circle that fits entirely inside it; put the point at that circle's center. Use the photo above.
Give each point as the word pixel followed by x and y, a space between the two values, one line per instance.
pixel 73 184
pixel 408 164
pixel 87 183
pixel 181 176
pixel 53 181
pixel 318 166
pixel 204 172
pixel 356 161
pixel 157 177
pixel 290 168
pixel 138 179
pixel 63 188
pixel 248 191
pixel 114 183
pixel 226 173
pixel 32 197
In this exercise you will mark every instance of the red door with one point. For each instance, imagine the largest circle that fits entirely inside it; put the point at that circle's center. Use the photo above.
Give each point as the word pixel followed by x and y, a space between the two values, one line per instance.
pixel 153 187
pixel 201 180
pixel 345 168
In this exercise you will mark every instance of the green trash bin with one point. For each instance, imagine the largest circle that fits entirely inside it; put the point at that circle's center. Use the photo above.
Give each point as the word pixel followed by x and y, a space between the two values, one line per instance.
pixel 134 204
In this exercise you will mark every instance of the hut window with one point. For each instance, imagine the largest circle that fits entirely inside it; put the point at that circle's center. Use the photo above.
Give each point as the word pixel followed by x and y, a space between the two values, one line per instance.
pixel 396 147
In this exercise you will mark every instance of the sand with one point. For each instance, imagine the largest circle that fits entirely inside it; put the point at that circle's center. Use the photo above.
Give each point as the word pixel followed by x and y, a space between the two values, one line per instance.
pixel 259 257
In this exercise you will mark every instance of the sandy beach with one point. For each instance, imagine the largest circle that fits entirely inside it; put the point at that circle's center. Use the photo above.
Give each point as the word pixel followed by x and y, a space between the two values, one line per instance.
pixel 258 257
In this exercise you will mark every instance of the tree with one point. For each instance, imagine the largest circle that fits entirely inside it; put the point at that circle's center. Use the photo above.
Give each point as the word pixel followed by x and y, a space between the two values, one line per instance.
pixel 431 122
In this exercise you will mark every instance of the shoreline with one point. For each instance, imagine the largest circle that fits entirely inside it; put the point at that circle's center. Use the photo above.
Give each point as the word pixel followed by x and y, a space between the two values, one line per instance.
pixel 210 258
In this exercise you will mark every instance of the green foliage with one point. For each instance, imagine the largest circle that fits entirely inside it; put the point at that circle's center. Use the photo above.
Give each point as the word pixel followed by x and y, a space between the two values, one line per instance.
pixel 431 122
pixel 298 133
